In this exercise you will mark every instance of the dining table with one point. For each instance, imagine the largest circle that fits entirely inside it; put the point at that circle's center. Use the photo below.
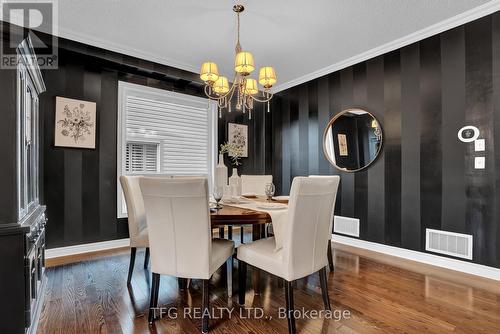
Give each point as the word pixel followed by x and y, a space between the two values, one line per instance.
pixel 232 214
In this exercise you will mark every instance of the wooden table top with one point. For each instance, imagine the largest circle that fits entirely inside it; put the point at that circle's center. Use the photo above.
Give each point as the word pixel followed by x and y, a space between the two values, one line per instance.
pixel 232 215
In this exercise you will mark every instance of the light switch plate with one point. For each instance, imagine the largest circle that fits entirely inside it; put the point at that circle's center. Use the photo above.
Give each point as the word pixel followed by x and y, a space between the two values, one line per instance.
pixel 479 162
pixel 479 145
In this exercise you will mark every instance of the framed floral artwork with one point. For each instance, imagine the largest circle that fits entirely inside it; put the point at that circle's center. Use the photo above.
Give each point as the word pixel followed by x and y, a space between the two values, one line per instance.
pixel 238 135
pixel 75 123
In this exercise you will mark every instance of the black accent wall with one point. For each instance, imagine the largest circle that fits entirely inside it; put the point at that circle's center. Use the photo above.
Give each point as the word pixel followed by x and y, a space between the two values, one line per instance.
pixel 424 177
pixel 80 185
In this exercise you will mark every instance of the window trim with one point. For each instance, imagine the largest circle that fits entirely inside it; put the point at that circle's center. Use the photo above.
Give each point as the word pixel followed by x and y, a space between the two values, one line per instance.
pixel 125 89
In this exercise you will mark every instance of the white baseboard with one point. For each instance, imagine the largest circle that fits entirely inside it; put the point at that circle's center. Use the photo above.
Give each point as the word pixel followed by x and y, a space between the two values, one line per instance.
pixel 95 247
pixel 86 248
pixel 430 259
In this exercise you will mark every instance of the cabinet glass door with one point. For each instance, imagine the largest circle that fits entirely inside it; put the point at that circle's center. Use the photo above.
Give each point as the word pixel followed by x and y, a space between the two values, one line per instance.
pixel 27 143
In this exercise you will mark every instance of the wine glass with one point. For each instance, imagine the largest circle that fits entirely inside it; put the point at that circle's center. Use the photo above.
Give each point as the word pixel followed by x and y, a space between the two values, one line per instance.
pixel 218 193
pixel 270 189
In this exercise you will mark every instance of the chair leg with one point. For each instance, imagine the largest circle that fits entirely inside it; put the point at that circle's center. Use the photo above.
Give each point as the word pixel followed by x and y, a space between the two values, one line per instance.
pixel 133 250
pixel 330 256
pixel 205 307
pixel 242 235
pixel 229 233
pixel 153 303
pixel 229 265
pixel 290 307
pixel 182 283
pixel 324 288
pixel 242 281
pixel 146 258
pixel 221 232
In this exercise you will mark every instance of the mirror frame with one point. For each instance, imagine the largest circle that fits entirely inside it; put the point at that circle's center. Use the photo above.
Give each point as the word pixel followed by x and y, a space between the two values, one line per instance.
pixel 330 124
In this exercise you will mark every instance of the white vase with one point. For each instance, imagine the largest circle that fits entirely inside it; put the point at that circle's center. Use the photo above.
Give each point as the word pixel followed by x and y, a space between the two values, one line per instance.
pixel 235 183
pixel 221 173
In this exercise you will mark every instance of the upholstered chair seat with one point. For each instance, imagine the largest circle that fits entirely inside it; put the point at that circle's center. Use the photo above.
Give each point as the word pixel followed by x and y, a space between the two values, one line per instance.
pixel 140 240
pixel 263 254
pixel 222 249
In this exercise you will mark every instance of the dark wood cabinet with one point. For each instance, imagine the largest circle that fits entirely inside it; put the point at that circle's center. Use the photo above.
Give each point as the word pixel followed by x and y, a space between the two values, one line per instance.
pixel 22 216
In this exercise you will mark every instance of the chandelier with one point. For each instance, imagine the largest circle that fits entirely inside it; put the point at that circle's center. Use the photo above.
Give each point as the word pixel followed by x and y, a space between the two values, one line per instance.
pixel 243 88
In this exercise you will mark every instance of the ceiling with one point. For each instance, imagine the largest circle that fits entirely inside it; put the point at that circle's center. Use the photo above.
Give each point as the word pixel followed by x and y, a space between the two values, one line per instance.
pixel 301 39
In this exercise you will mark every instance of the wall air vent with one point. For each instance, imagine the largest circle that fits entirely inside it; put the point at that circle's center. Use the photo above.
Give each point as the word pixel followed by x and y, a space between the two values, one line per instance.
pixel 346 225
pixel 449 243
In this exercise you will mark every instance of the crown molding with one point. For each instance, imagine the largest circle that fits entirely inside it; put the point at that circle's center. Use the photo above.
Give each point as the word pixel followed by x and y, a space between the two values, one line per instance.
pixel 123 49
pixel 453 22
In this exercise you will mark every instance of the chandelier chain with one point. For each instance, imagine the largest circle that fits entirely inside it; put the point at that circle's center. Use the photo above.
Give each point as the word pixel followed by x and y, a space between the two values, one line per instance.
pixel 238 45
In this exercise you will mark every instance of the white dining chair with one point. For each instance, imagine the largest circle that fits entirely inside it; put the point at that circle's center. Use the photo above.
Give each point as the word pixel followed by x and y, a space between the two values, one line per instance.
pixel 255 185
pixel 180 235
pixel 329 247
pixel 304 236
pixel 137 226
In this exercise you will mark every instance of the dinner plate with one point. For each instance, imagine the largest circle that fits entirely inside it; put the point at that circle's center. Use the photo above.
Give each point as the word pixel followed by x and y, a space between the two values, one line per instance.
pixel 236 200
pixel 271 206
pixel 281 198
pixel 249 195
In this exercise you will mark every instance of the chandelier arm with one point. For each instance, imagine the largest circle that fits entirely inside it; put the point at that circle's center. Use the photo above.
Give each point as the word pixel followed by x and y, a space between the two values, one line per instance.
pixel 262 101
pixel 211 97
pixel 232 90
pixel 218 97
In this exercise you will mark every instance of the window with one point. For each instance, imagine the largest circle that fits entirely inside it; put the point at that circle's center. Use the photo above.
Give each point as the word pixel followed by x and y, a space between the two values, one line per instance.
pixel 162 132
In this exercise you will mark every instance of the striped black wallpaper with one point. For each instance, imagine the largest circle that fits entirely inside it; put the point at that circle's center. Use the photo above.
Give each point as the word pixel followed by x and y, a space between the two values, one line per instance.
pixel 424 178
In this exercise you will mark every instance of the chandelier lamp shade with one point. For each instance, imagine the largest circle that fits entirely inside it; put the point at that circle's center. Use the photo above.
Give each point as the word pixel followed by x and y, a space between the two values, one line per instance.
pixel 243 90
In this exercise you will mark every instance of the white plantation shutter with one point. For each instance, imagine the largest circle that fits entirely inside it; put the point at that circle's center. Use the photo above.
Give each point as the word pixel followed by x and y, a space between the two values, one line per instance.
pixel 182 131
pixel 141 158
pixel 165 132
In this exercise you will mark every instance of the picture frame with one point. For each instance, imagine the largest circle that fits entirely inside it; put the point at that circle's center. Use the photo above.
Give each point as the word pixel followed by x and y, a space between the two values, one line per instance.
pixel 75 123
pixel 342 138
pixel 238 135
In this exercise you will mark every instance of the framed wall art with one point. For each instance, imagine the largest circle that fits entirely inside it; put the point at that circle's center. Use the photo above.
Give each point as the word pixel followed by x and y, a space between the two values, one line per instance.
pixel 342 145
pixel 75 123
pixel 238 135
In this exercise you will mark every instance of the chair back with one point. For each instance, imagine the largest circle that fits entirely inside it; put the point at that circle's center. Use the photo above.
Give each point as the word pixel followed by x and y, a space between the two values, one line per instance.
pixel 178 225
pixel 333 212
pixel 255 184
pixel 306 235
pixel 135 205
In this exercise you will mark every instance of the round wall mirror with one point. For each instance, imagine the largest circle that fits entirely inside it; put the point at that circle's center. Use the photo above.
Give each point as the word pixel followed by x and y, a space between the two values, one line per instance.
pixel 352 140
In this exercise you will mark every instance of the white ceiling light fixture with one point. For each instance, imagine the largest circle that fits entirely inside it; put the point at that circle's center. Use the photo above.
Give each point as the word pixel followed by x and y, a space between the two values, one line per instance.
pixel 243 88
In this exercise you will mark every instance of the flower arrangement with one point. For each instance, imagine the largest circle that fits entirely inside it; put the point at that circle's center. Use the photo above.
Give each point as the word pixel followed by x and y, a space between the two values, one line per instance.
pixel 235 152
pixel 77 123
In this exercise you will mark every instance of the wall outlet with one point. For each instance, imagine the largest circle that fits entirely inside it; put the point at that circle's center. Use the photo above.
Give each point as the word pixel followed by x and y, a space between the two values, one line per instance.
pixel 479 145
pixel 479 162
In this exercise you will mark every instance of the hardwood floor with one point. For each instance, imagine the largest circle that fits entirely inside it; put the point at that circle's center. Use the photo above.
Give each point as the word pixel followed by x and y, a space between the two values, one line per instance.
pixel 92 297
